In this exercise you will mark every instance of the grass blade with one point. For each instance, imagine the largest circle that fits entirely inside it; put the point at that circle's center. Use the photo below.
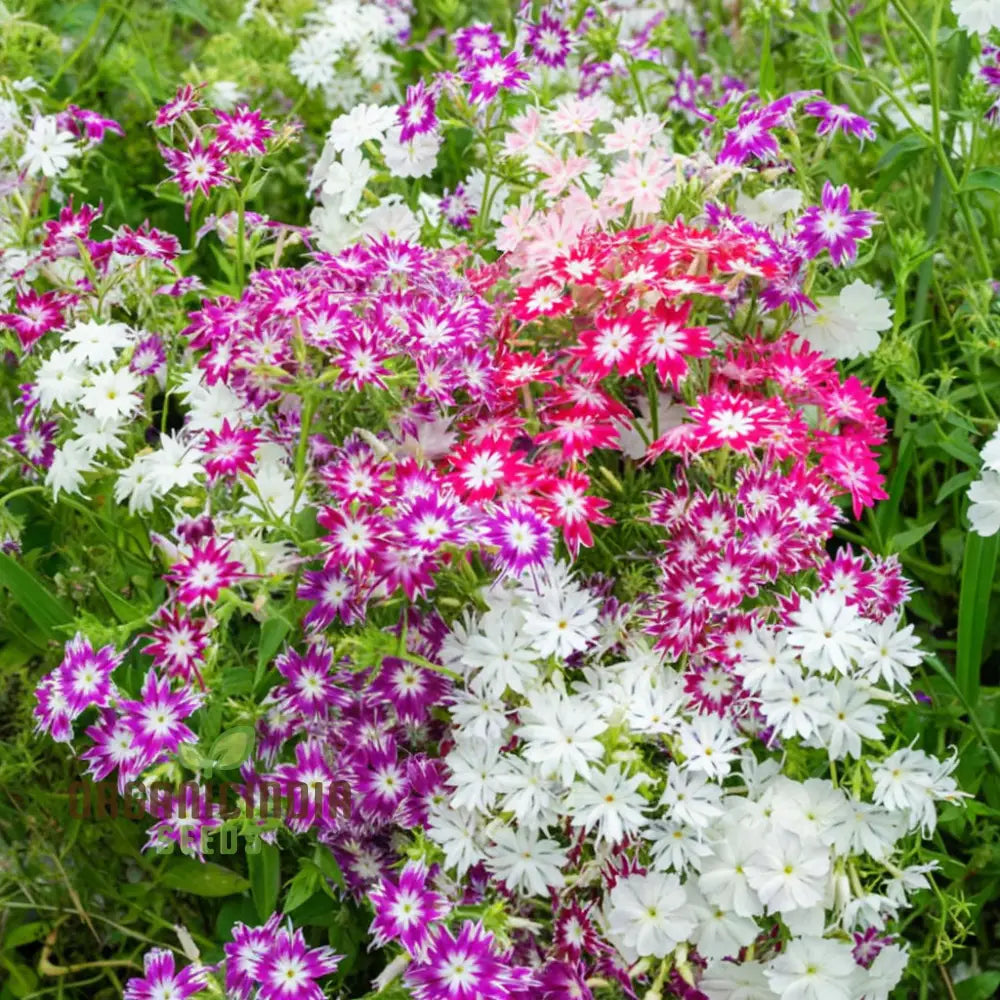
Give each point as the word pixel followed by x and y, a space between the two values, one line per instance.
pixel 46 611
pixel 978 570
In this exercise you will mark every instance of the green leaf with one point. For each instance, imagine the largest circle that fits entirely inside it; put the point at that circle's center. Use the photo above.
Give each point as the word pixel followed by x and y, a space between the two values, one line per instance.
pixel 766 77
pixel 265 879
pixel 955 483
pixel 236 682
pixel 981 987
pixel 978 570
pixel 46 611
pixel 189 875
pixel 272 633
pixel 191 757
pixel 887 514
pixel 25 934
pixel 907 147
pixel 903 540
pixel 301 888
pixel 327 864
pixel 22 979
pixel 983 179
pixel 124 611
pixel 233 747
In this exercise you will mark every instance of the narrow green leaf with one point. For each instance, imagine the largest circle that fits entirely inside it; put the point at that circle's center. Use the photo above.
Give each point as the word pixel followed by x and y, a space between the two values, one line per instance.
pixel 955 483
pixel 887 513
pixel 46 611
pixel 978 570
pixel 124 611
pixel 903 540
pixel 272 633
pixel 766 78
pixel 265 879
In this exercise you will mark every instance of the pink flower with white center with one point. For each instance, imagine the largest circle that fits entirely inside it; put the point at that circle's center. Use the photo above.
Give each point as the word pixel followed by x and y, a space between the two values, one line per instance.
pixel 290 968
pixel 406 910
pixel 523 539
pixel 416 114
pixel 52 714
pixel 834 226
pixel 460 968
pixel 37 313
pixel 179 643
pixel 726 577
pixel 115 748
pixel 202 575
pixel 727 419
pixel 333 595
pixel 186 100
pixel 229 451
pixel 250 945
pixel 488 76
pixel 148 356
pixel 146 242
pixel 310 687
pixel 162 981
pixel 61 234
pixel 352 539
pixel 197 169
pixel 157 719
pixel 244 131
pixel 613 345
pixel 382 784
pixel 566 502
pixel 411 689
pixel 85 675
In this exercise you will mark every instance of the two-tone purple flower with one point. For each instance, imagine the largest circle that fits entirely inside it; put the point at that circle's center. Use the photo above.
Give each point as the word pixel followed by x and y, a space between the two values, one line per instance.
pixel 833 225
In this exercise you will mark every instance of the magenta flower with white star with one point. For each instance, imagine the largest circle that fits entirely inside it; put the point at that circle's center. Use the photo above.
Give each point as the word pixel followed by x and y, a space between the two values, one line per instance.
pixel 834 226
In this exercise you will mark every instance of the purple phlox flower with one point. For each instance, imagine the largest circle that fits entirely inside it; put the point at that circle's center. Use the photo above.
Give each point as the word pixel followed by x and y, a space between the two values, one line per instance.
pixel 289 969
pixel 115 748
pixel 162 980
pixel 84 123
pixel 839 116
pixel 867 945
pixel 406 909
pixel 412 690
pixel 564 981
pixel 457 207
pixel 416 114
pixel 465 967
pixel 549 40
pixel 157 719
pixel 244 954
pixel 834 226
pixel 478 41
pixel 81 680
pixel 487 77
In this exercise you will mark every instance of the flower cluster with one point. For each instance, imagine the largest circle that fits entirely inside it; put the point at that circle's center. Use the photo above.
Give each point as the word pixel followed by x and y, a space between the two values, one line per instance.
pixel 506 493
